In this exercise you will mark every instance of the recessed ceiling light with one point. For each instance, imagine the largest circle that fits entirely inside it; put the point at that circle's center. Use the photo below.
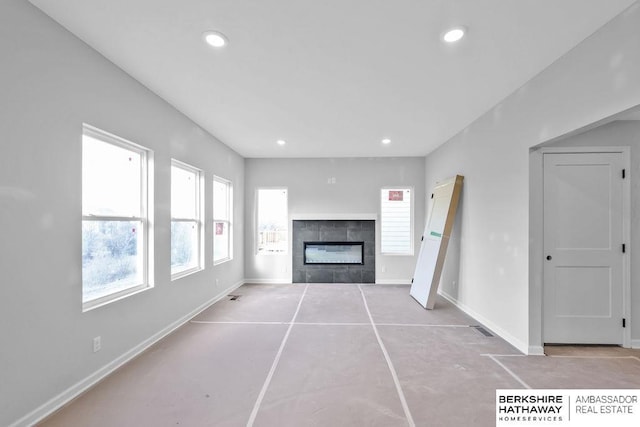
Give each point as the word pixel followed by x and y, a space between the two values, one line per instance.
pixel 215 39
pixel 386 141
pixel 454 34
pixel 281 142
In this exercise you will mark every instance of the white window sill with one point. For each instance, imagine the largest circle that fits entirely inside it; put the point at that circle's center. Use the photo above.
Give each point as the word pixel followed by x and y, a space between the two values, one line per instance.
pixel 221 261
pixel 101 302
pixel 185 273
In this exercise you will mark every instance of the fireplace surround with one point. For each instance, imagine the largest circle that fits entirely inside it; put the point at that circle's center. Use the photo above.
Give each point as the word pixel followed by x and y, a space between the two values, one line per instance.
pixel 332 268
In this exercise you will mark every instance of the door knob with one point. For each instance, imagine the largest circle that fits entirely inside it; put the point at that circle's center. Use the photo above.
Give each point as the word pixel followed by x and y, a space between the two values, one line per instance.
pixel 548 257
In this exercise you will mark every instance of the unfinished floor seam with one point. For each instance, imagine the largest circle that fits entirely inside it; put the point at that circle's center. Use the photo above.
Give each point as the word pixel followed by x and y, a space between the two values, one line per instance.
pixel 409 325
pixel 509 371
pixel 421 325
pixel 205 322
pixel 392 369
pixel 274 365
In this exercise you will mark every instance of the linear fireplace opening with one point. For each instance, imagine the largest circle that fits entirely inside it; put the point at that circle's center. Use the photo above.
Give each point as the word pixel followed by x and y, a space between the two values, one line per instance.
pixel 343 253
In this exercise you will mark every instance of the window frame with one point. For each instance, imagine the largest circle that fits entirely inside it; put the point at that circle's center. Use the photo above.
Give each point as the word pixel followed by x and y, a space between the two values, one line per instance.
pixel 411 249
pixel 285 251
pixel 143 243
pixel 228 220
pixel 199 191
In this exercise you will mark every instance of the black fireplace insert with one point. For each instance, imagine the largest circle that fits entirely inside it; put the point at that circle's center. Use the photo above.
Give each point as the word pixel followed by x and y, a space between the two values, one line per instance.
pixel 344 253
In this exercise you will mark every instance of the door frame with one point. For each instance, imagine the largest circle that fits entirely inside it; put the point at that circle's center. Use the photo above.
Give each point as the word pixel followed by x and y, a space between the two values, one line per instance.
pixel 536 239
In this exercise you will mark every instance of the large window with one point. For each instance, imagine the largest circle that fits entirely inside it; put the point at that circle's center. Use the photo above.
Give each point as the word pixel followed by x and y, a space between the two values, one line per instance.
pixel 273 220
pixel 114 217
pixel 396 221
pixel 222 224
pixel 186 219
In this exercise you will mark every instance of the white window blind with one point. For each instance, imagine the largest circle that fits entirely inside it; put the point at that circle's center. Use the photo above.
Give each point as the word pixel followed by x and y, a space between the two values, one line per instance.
pixel 396 221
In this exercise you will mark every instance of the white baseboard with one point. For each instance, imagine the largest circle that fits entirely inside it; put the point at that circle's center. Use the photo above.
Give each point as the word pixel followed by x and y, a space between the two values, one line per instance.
pixel 635 343
pixel 77 389
pixel 393 282
pixel 518 344
pixel 536 350
pixel 283 281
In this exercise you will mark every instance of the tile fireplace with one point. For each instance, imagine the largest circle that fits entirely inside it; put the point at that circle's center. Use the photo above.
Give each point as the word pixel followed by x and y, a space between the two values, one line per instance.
pixel 334 251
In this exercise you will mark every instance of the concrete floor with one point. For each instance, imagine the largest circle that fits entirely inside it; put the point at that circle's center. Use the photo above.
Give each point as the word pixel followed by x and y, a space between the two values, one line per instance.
pixel 333 355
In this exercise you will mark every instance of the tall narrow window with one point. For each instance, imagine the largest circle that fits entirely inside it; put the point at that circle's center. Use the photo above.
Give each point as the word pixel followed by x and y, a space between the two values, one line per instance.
pixel 186 219
pixel 273 220
pixel 222 225
pixel 114 217
pixel 396 221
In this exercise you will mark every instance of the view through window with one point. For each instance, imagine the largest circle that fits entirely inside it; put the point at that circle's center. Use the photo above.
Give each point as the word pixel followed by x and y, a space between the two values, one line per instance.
pixel 273 220
pixel 222 214
pixel 186 219
pixel 114 221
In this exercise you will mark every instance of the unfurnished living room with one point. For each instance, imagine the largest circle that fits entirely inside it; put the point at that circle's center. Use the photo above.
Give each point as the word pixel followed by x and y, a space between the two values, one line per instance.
pixel 220 213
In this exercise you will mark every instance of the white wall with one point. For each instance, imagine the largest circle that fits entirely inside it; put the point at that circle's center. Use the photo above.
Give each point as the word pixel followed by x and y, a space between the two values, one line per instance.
pixel 356 191
pixel 619 134
pixel 50 83
pixel 596 79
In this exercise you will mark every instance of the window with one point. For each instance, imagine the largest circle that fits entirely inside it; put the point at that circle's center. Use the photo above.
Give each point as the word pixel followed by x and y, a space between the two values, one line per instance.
pixel 114 217
pixel 186 219
pixel 273 220
pixel 396 221
pixel 222 226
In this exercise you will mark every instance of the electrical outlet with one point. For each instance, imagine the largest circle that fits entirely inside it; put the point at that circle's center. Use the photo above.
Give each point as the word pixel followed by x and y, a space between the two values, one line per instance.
pixel 97 344
pixel 217 282
pixel 384 269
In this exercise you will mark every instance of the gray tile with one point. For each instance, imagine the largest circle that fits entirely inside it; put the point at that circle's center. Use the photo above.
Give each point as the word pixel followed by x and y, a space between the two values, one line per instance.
pixel 333 235
pixel 299 276
pixel 368 277
pixel 359 235
pixel 369 263
pixel 348 276
pixel 317 275
pixel 368 225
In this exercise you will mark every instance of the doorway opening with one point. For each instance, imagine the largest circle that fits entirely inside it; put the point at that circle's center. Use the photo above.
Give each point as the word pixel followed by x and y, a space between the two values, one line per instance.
pixel 570 302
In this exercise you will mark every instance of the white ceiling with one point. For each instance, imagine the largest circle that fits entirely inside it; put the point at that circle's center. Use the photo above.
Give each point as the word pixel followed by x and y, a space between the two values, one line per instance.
pixel 332 77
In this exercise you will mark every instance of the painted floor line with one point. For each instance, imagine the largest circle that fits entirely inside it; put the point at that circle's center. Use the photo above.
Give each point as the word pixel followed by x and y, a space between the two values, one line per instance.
pixel 267 382
pixel 394 374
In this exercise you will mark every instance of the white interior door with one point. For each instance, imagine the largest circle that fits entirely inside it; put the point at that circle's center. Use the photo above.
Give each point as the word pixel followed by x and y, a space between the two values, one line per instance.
pixel 583 231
